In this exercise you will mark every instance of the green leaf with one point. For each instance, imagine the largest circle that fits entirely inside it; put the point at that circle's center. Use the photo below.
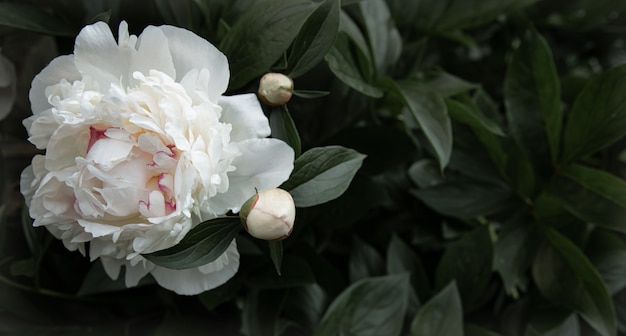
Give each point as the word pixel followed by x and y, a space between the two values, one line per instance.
pixel 607 252
pixel 24 267
pixel 268 28
pixel 295 272
pixel 425 173
pixel 372 306
pixel 468 261
pixel 583 291
pixel 322 174
pixel 384 39
pixel 488 132
pixel 35 19
pixel 310 94
pixel 402 259
pixel 465 199
pixel 200 246
pixel 442 315
pixel 344 66
pixel 261 312
pixel 445 83
pixel 440 16
pixel 430 111
pixel 364 261
pixel 276 254
pixel 598 116
pixel 552 321
pixel 513 254
pixel 283 128
pixel 592 195
pixel 315 39
pixel 533 101
pixel 305 305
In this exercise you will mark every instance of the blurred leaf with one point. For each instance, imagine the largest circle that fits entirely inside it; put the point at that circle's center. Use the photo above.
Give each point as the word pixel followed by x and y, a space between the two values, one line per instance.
pixel 200 246
pixel 102 16
pixel 486 131
pixel 533 101
pixel 473 117
pixel 261 312
pixel 402 259
pixel 315 38
pixel 343 64
pixel 276 254
pixel 521 173
pixel 322 174
pixel 384 39
pixel 185 13
pixel 513 254
pixel 437 16
pixel 283 128
pixel 431 113
pixel 268 28
pixel 310 94
pixel 584 291
pixel 35 19
pixel 547 323
pixel 364 261
pixel 592 195
pixel 372 306
pixel 467 261
pixel 446 84
pixel 598 116
pixel 306 305
pixel 464 199
pixel 442 315
pixel 425 173
pixel 24 267
pixel 607 252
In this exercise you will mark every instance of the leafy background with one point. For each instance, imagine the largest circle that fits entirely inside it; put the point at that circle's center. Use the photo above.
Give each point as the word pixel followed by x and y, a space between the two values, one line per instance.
pixel 473 158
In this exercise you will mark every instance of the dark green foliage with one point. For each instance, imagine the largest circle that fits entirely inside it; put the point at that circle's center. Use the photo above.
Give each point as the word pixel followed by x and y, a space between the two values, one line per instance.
pixel 459 170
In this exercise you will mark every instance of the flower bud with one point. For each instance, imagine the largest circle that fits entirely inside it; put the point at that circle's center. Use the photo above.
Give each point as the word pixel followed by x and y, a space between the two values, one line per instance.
pixel 275 89
pixel 269 215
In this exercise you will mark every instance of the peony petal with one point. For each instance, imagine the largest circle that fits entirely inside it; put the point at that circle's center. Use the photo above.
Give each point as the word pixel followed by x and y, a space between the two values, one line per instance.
pixel 153 53
pixel 112 267
pixel 197 280
pixel 245 114
pixel 98 56
pixel 135 273
pixel 61 67
pixel 190 51
pixel 277 158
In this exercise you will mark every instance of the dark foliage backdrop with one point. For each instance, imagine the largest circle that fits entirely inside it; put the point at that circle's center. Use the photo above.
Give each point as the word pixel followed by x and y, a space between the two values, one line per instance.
pixel 491 200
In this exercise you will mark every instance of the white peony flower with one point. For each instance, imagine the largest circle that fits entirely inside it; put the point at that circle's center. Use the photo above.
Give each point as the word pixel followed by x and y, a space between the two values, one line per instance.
pixel 141 147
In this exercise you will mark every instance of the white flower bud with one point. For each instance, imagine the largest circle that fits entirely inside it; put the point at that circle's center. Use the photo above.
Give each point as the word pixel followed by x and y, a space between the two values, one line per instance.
pixel 275 89
pixel 269 215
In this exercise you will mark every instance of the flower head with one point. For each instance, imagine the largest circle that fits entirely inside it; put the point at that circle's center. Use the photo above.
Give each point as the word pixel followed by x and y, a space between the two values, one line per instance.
pixel 275 89
pixel 141 146
pixel 269 215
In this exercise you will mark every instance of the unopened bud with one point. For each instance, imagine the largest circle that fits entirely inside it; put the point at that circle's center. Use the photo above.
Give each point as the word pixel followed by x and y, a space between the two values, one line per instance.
pixel 275 89
pixel 269 215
